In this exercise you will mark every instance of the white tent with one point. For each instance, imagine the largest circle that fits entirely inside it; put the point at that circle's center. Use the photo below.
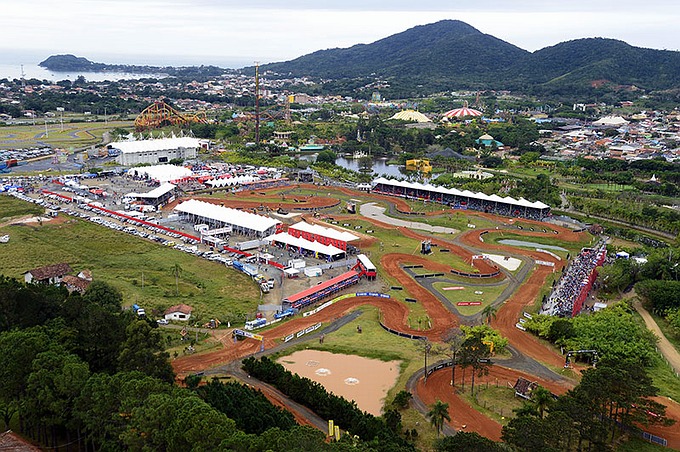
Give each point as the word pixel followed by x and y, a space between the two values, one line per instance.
pixel 410 115
pixel 161 173
pixel 243 222
pixel 316 229
pixel 299 242
pixel 230 181
pixel 611 121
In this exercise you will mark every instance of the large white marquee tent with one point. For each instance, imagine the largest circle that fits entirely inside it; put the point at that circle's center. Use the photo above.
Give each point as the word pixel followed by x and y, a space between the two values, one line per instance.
pixel 215 216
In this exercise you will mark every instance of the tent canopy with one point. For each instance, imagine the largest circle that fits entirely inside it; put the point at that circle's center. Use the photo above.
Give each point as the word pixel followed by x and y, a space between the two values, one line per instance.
pixel 226 215
pixel 299 242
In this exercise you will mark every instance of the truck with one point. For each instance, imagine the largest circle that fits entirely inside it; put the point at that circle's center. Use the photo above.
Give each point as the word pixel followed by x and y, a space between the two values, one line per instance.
pixel 257 323
pixel 248 245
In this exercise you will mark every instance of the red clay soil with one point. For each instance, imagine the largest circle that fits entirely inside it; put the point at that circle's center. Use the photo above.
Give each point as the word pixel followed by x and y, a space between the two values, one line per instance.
pixel 394 315
pixel 442 319
pixel 306 202
pixel 480 264
pixel 438 387
pixel 510 312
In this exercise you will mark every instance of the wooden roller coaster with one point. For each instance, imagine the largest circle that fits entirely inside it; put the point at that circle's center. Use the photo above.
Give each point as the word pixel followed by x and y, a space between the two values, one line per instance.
pixel 160 114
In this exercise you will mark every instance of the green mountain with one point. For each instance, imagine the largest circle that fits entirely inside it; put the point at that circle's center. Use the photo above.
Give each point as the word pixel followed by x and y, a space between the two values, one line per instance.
pixel 449 49
pixel 452 54
pixel 592 60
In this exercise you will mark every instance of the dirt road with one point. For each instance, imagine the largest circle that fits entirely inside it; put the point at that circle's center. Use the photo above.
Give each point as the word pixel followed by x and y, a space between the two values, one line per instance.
pixel 665 347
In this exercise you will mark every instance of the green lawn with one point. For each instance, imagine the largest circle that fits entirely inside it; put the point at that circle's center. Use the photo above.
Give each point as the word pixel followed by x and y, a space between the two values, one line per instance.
pixel 11 207
pixel 490 293
pixel 493 398
pixel 73 135
pixel 139 268
pixel 572 247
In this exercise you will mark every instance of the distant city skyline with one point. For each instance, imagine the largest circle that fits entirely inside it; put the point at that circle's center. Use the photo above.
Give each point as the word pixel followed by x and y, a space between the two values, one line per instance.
pixel 231 33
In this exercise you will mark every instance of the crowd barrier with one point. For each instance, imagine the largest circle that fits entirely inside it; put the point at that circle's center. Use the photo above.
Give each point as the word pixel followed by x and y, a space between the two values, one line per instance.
pixel 399 333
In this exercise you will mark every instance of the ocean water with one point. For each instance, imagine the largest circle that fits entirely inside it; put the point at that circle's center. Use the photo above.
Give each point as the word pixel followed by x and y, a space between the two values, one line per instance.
pixel 13 71
pixel 11 66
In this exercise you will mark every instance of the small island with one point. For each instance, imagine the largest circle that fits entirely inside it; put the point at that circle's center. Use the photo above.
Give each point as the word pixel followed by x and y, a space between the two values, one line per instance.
pixel 72 63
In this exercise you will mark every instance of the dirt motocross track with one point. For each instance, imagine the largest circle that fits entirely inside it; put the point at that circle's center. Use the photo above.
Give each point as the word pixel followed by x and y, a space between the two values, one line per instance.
pixel 394 314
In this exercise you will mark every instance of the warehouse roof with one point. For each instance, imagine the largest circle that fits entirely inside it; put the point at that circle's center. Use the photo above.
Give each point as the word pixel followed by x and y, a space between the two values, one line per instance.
pixel 161 144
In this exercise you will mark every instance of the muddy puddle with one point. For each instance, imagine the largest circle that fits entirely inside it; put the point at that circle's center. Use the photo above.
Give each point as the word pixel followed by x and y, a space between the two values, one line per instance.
pixel 366 381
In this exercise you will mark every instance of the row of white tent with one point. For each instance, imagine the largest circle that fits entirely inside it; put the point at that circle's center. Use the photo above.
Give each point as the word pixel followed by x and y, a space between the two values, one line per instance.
pixel 521 202
pixel 230 181
pixel 299 242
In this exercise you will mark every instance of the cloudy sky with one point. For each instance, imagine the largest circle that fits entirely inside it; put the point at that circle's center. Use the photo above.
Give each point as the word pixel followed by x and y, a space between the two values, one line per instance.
pixel 235 33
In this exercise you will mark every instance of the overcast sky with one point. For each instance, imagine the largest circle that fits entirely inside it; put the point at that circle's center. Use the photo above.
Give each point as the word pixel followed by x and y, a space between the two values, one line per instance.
pixel 237 33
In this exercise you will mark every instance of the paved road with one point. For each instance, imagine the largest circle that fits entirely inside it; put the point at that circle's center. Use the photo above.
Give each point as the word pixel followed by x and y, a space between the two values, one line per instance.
pixel 371 210
pixel 664 346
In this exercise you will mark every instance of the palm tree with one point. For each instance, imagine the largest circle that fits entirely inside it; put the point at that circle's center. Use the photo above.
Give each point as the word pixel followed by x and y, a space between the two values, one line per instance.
pixel 176 272
pixel 542 398
pixel 439 411
pixel 488 313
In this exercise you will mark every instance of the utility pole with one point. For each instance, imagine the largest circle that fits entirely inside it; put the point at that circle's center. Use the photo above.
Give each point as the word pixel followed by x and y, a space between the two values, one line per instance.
pixel 257 103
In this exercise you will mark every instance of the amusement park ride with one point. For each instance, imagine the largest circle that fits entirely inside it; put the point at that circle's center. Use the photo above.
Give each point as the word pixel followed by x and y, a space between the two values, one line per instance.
pixel 160 114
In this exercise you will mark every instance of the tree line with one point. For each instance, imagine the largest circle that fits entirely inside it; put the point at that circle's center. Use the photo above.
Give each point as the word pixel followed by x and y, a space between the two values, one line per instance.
pixel 80 373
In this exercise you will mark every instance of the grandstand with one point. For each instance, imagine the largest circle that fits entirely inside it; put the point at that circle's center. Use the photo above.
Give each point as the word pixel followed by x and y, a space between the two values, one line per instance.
pixel 462 199
pixel 321 291
pixel 571 290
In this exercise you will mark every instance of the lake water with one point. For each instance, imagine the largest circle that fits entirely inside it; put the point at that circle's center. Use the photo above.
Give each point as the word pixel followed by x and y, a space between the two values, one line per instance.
pixel 530 244
pixel 380 167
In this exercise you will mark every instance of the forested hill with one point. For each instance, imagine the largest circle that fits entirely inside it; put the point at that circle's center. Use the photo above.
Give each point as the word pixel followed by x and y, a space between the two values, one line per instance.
pixel 72 63
pixel 447 48
pixel 452 54
pixel 596 60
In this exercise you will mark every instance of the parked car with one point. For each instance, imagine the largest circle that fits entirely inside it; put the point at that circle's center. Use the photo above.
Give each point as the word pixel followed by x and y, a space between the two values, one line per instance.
pixel 162 321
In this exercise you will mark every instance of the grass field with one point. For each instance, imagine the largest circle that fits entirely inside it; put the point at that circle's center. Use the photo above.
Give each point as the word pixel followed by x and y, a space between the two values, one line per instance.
pixel 493 399
pixel 489 294
pixel 140 269
pixel 73 135
pixel 572 247
pixel 11 207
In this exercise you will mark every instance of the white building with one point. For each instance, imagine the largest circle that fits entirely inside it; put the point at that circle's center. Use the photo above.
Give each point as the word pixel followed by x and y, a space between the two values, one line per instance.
pixel 178 312
pixel 157 151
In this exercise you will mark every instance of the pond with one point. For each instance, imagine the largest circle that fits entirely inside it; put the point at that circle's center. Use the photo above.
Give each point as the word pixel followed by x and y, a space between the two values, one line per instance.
pixel 364 380
pixel 378 168
pixel 530 244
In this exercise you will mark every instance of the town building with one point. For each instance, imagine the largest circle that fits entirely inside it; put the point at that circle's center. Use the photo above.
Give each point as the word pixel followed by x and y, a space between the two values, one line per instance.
pixel 157 151
pixel 178 312
pixel 49 274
